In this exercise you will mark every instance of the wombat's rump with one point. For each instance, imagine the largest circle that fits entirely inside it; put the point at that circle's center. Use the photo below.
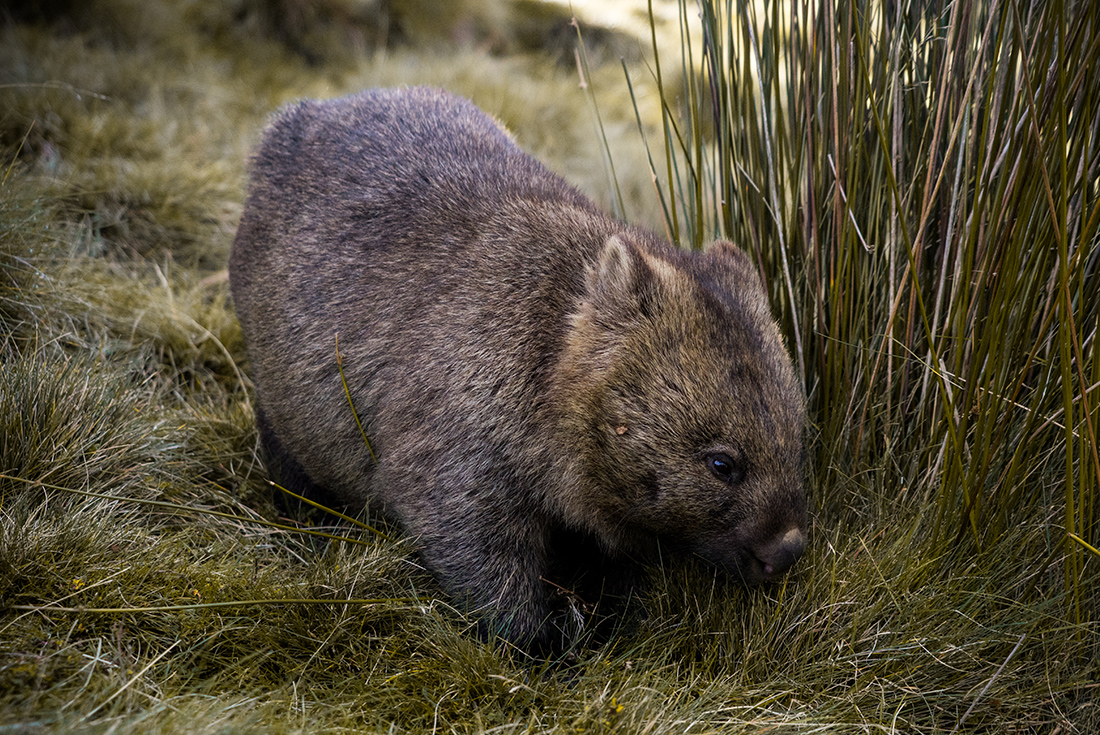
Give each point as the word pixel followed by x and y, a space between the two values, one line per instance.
pixel 531 373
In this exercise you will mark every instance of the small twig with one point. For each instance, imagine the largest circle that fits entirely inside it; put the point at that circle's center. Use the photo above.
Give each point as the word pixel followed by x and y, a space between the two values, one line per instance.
pixel 1084 543
pixel 202 605
pixel 17 152
pixel 203 511
pixel 564 590
pixel 844 196
pixel 347 392
pixel 77 92
pixel 330 511
pixel 126 686
pixel 988 684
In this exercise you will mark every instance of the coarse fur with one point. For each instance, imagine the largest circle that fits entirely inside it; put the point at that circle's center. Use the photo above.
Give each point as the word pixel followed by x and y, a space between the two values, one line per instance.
pixel 531 373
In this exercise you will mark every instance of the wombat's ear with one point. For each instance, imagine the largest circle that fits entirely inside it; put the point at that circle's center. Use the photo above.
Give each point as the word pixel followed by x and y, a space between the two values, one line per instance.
pixel 619 268
pixel 736 263
pixel 625 275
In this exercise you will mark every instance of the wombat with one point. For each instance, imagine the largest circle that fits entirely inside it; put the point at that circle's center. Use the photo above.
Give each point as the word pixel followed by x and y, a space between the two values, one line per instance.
pixel 531 374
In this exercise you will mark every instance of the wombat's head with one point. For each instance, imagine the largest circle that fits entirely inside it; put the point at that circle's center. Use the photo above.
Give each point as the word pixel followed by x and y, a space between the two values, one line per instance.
pixel 688 413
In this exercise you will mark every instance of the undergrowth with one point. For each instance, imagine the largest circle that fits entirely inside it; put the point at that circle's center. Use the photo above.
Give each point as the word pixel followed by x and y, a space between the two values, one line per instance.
pixel 920 182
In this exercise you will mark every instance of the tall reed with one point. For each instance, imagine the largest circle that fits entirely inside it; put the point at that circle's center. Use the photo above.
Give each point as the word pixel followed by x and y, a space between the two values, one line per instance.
pixel 920 184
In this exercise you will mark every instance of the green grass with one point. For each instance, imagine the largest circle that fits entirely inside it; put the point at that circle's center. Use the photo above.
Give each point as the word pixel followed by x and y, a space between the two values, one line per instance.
pixel 922 192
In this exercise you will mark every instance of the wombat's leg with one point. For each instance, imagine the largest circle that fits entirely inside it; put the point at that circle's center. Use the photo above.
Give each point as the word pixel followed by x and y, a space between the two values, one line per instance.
pixel 498 567
pixel 580 564
pixel 614 608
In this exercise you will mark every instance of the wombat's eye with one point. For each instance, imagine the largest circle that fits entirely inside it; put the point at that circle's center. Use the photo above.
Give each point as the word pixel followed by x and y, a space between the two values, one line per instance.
pixel 724 468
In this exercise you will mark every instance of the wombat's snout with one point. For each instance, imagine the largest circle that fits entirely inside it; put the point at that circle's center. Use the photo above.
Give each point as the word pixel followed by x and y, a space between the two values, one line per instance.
pixel 780 554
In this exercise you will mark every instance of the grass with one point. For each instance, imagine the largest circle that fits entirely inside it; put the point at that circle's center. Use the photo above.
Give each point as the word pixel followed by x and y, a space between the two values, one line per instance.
pixel 921 185
pixel 933 254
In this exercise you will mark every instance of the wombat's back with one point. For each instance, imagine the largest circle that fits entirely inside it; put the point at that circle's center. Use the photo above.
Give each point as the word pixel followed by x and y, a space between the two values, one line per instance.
pixel 409 225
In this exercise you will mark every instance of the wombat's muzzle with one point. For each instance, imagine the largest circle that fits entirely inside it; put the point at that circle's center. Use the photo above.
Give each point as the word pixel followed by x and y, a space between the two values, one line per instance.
pixel 755 563
pixel 780 554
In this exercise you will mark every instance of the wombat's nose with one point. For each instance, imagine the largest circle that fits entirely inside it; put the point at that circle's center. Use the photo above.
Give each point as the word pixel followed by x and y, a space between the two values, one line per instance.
pixel 780 554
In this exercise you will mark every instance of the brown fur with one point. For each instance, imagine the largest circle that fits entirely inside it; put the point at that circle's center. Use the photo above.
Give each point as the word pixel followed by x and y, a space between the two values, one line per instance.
pixel 531 373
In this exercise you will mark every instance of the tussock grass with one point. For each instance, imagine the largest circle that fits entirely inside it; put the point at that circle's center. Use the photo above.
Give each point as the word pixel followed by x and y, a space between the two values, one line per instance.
pixel 920 183
pixel 921 188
